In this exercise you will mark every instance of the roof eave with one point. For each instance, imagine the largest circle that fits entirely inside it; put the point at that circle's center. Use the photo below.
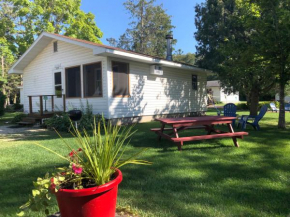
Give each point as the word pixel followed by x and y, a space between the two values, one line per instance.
pixel 145 59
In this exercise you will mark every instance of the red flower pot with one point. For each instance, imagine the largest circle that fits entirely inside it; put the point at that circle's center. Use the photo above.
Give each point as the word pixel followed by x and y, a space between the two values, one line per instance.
pixel 97 201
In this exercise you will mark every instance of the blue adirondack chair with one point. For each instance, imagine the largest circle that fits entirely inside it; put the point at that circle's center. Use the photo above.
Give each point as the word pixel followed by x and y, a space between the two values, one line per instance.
pixel 253 120
pixel 230 110
pixel 287 107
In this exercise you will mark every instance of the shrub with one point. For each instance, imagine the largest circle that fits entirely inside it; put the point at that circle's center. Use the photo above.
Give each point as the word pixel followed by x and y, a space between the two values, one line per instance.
pixel 242 106
pixel 2 102
pixel 18 118
pixel 17 106
pixel 58 122
pixel 87 120
pixel 62 122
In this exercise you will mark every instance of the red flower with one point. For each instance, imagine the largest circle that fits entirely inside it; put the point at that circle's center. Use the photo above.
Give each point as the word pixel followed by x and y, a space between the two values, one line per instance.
pixel 76 169
pixel 72 153
pixel 52 185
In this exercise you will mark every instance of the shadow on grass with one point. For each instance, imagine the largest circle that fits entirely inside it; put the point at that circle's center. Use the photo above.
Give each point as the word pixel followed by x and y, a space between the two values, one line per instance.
pixel 208 178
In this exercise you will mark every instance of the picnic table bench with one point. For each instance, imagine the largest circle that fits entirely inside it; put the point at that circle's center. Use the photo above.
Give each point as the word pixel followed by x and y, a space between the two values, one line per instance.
pixel 205 122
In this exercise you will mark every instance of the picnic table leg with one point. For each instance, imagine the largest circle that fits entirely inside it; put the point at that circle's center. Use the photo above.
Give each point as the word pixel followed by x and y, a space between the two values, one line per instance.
pixel 162 129
pixel 209 129
pixel 234 138
pixel 179 144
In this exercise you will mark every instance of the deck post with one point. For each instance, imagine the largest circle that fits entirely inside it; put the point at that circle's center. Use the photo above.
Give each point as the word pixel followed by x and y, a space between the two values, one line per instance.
pixel 41 105
pixel 30 104
pixel 64 105
pixel 52 103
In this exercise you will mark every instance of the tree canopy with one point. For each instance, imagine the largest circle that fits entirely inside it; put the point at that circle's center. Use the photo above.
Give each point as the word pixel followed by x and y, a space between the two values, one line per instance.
pixel 148 28
pixel 21 21
pixel 227 44
pixel 188 58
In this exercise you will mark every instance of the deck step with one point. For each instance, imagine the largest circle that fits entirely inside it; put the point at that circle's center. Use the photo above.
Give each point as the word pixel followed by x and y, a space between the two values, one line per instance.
pixel 29 119
pixel 25 123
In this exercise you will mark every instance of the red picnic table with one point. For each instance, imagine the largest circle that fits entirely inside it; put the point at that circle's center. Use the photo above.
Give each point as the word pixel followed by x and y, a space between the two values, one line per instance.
pixel 205 122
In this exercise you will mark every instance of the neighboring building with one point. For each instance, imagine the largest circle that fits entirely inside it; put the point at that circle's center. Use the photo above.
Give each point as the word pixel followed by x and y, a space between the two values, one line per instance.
pixel 117 83
pixel 277 98
pixel 219 95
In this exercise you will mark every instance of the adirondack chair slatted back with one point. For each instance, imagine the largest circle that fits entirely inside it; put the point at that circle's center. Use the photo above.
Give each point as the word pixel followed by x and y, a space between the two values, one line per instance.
pixel 230 110
pixel 273 106
pixel 261 114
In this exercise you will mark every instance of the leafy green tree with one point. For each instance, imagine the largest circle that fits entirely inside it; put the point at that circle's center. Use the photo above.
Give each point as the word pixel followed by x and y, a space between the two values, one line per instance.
pixel 150 24
pixel 273 30
pixel 7 49
pixel 188 58
pixel 227 44
pixel 60 17
pixel 21 21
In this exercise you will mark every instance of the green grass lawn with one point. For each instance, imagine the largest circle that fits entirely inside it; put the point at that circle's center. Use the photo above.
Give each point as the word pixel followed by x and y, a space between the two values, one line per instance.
pixel 7 118
pixel 208 178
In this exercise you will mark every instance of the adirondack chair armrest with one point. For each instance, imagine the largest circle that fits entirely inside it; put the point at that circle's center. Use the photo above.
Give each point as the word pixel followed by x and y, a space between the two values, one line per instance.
pixel 219 112
pixel 247 117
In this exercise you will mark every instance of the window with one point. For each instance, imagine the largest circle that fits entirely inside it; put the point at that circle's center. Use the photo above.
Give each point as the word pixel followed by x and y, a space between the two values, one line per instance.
pixel 92 80
pixel 57 84
pixel 73 82
pixel 55 46
pixel 194 82
pixel 120 79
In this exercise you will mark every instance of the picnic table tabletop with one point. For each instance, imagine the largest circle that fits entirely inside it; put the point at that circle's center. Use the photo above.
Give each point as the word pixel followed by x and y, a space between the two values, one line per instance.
pixel 194 119
pixel 205 122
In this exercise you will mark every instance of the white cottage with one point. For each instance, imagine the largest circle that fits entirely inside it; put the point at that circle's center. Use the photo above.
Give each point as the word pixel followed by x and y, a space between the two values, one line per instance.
pixel 219 94
pixel 61 73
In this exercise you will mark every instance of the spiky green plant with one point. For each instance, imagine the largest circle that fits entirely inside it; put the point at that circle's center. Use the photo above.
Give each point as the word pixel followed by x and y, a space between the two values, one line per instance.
pixel 101 154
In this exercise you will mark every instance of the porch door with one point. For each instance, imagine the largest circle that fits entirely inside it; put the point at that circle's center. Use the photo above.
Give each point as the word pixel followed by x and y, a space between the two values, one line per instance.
pixel 58 88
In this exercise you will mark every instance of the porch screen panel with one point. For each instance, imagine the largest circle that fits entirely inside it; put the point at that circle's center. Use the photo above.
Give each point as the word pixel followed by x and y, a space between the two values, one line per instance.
pixel 73 82
pixel 57 84
pixel 93 80
pixel 120 79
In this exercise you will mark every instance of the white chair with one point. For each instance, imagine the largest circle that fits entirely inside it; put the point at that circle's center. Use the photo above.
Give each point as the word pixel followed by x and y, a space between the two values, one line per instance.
pixel 273 107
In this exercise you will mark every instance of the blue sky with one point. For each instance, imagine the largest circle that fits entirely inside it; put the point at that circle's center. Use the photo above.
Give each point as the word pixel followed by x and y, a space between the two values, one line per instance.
pixel 112 18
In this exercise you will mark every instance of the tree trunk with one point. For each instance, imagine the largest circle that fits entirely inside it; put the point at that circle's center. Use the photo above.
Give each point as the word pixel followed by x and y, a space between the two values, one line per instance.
pixel 254 101
pixel 281 122
pixel 15 99
pixel 3 76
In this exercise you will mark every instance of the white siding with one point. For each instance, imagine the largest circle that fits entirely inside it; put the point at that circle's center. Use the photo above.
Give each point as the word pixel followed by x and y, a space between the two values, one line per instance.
pixel 229 98
pixel 38 75
pixel 153 95
pixel 220 96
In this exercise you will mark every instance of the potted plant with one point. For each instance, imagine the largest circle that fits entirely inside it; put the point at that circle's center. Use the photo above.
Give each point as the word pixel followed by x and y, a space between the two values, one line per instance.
pixel 88 186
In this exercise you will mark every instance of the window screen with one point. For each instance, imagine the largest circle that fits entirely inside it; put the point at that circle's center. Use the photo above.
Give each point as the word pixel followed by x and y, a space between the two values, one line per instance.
pixel 120 79
pixel 57 85
pixel 73 82
pixel 194 82
pixel 55 46
pixel 92 80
